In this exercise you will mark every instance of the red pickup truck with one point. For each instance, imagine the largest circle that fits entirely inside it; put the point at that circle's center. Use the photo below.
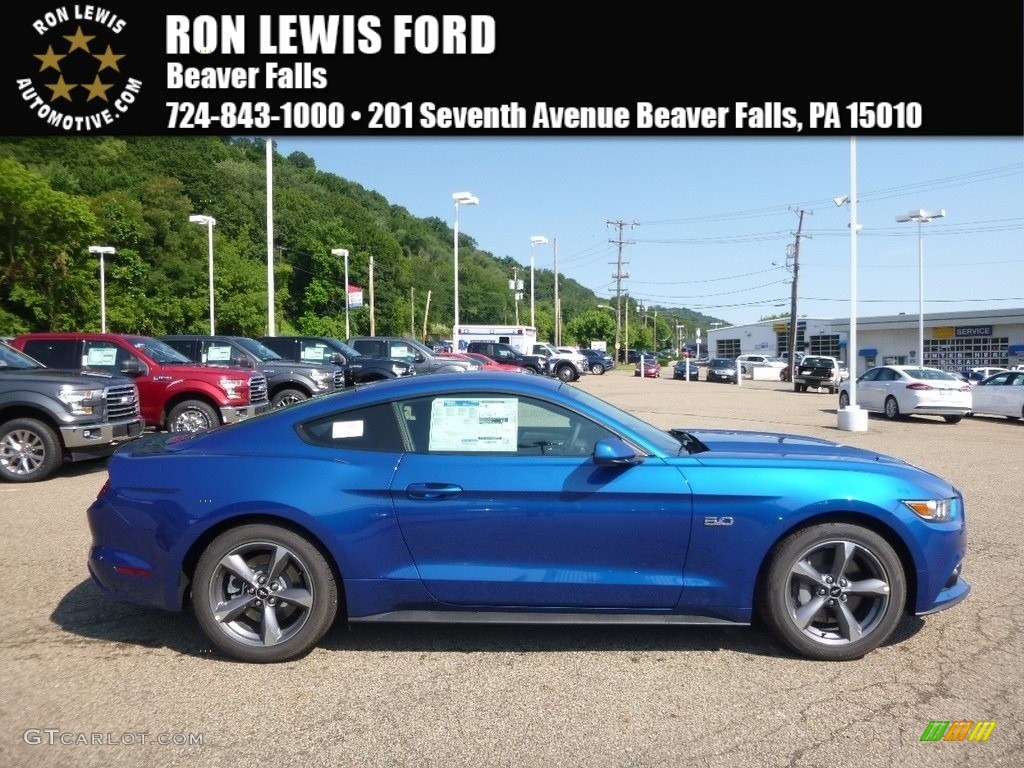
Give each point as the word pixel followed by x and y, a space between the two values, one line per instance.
pixel 174 393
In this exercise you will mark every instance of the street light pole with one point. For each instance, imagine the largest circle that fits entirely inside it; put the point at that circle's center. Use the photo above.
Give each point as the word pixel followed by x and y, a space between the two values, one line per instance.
pixel 344 253
pixel 459 198
pixel 921 217
pixel 209 221
pixel 102 250
pixel 535 240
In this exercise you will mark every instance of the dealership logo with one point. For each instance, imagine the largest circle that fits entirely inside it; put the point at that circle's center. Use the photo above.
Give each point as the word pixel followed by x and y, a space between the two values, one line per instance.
pixel 958 730
pixel 77 78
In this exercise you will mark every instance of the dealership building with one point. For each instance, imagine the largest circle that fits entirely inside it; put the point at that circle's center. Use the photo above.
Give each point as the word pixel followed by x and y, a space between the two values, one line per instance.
pixel 952 340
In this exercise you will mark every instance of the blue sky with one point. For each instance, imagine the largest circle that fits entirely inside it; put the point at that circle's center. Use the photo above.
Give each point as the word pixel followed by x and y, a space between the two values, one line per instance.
pixel 713 214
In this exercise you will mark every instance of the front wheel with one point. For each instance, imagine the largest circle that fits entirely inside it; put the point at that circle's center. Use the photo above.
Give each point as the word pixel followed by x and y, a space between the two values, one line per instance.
pixel 287 397
pixel 30 450
pixel 844 399
pixel 596 368
pixel 566 373
pixel 192 416
pixel 892 408
pixel 833 592
pixel 264 594
pixel 956 419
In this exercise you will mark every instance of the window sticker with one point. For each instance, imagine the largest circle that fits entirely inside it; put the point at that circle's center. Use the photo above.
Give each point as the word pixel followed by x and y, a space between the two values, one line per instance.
pixel 218 354
pixel 474 424
pixel 342 429
pixel 100 356
pixel 313 353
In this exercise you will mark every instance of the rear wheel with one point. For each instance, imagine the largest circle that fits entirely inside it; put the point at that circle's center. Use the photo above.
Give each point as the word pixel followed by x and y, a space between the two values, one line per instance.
pixel 263 593
pixel 833 592
pixel 29 450
pixel 566 373
pixel 844 399
pixel 953 419
pixel 596 368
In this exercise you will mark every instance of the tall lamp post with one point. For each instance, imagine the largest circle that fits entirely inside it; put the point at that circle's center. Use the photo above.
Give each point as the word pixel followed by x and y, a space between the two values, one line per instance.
pixel 102 250
pixel 535 240
pixel 343 252
pixel 459 198
pixel 209 221
pixel 921 217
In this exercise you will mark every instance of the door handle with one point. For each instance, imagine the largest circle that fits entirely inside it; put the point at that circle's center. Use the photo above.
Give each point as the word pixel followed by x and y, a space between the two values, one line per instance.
pixel 432 491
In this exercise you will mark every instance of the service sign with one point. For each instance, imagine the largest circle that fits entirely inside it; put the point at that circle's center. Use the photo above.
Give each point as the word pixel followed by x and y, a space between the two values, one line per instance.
pixel 528 69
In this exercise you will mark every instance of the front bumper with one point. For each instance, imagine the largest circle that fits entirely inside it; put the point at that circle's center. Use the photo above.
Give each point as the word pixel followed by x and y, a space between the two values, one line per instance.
pixel 96 437
pixel 229 414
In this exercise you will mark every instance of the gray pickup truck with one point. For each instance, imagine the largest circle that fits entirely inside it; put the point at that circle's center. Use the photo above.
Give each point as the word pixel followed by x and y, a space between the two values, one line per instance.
pixel 50 416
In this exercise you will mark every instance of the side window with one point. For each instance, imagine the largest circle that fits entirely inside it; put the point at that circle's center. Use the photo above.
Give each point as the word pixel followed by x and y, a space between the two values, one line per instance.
pixel 63 353
pixel 106 356
pixel 374 428
pixel 370 347
pixel 187 347
pixel 479 423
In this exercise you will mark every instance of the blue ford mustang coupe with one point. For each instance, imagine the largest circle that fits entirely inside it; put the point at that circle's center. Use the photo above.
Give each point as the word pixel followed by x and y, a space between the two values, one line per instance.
pixel 507 498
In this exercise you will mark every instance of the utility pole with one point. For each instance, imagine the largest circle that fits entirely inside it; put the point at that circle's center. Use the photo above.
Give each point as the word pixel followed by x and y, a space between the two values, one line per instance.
pixel 412 312
pixel 618 277
pixel 373 319
pixel 426 311
pixel 791 344
pixel 558 306
pixel 516 286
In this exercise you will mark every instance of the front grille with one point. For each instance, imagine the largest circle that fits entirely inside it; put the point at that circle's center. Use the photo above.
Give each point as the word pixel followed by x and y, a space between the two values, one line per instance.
pixel 122 402
pixel 339 379
pixel 257 389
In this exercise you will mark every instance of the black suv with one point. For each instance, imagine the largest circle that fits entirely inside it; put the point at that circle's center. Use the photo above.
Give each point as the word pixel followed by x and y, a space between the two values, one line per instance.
pixel 359 368
pixel 288 381
pixel 418 355
pixel 500 352
pixel 50 416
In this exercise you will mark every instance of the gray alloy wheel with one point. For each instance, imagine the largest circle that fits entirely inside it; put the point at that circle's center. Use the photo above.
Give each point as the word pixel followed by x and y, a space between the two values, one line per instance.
pixel 29 450
pixel 833 592
pixel 596 368
pixel 192 416
pixel 892 408
pixel 287 397
pixel 566 373
pixel 844 399
pixel 263 593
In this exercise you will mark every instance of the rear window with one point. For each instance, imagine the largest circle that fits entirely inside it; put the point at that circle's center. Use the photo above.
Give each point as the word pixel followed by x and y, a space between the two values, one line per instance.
pixel 817 362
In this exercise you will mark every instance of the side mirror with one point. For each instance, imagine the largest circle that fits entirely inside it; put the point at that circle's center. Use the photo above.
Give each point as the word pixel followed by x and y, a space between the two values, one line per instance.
pixel 242 362
pixel 338 359
pixel 132 367
pixel 419 358
pixel 613 451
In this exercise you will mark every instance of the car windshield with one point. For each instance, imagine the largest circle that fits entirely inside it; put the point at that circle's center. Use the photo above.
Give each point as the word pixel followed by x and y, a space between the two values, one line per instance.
pixel 259 350
pixel 340 346
pixel 722 362
pixel 159 351
pixel 661 438
pixel 12 358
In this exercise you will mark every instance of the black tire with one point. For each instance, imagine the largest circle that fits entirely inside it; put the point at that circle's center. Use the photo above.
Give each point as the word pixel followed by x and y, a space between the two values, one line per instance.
pixel 264 594
pixel 832 592
pixel 287 397
pixel 892 408
pixel 597 369
pixel 844 399
pixel 531 371
pixel 799 388
pixel 566 373
pixel 30 450
pixel 953 419
pixel 192 416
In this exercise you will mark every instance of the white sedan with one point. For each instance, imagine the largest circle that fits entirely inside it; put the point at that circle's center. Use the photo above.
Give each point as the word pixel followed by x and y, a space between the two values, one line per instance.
pixel 904 390
pixel 1000 395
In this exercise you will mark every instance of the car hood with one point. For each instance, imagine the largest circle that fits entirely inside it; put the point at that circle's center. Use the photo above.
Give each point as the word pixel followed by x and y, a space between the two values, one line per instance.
pixel 91 377
pixel 719 442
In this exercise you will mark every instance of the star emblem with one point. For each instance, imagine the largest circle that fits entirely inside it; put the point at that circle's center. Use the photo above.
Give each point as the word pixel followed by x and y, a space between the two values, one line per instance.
pixel 109 59
pixel 50 60
pixel 61 90
pixel 97 89
pixel 79 40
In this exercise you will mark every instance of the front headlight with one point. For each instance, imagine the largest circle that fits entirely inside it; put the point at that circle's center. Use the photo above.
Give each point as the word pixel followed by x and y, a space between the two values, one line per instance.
pixel 321 379
pixel 232 388
pixel 933 510
pixel 80 402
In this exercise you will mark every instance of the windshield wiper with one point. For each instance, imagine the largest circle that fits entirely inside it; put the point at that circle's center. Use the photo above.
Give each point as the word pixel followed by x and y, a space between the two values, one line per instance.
pixel 689 443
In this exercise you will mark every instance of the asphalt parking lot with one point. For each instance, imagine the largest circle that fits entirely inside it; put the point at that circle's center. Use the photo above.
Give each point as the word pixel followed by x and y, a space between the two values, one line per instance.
pixel 91 682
